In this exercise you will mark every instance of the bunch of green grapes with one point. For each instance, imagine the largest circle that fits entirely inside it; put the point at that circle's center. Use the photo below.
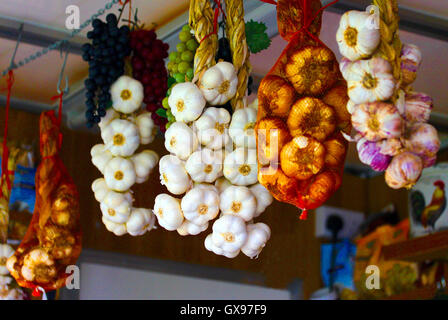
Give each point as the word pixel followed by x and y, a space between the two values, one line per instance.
pixel 180 65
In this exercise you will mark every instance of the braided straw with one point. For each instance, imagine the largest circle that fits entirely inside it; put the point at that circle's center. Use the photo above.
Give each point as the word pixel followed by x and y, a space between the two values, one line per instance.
pixel 201 22
pixel 390 45
pixel 6 192
pixel 240 53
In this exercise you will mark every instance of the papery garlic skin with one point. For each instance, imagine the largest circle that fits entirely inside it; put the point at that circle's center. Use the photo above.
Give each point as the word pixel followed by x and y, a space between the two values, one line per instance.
pixel 390 147
pixel 210 246
pixel 417 107
pixel 144 163
pixel 100 189
pixel 119 174
pixel 111 114
pixel 121 137
pixel 377 120
pixel 351 106
pixel 238 201
pixel 146 128
pixel 100 156
pixel 241 128
pixel 422 139
pixel 188 228
pixel 370 80
pixel 204 165
pixel 263 197
pixel 127 94
pixel 345 66
pixel 173 174
pixel 428 161
pixel 181 140
pixel 240 167
pixel 257 236
pixel 200 205
pixel 355 38
pixel 117 229
pixel 116 206
pixel 219 83
pixel 404 171
pixel 222 184
pixel 411 58
pixel 229 233
pixel 168 212
pixel 212 128
pixel 186 102
pixel 369 153
pixel 140 221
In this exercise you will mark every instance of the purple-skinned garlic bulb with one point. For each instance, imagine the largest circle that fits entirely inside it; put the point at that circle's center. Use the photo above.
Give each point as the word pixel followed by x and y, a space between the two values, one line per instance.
pixel 404 170
pixel 421 139
pixel 377 120
pixel 411 57
pixel 369 153
pixel 417 107
pixel 390 147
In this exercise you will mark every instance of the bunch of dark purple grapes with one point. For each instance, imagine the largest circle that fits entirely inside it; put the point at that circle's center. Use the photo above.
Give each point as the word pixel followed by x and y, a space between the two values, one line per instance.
pixel 106 55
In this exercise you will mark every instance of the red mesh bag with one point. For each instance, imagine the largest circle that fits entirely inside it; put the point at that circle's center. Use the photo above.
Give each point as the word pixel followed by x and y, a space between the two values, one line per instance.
pixel 301 113
pixel 53 238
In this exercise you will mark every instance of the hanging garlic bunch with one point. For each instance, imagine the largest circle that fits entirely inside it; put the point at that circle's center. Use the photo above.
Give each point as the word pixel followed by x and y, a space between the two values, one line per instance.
pixel 123 130
pixel 389 119
pixel 213 164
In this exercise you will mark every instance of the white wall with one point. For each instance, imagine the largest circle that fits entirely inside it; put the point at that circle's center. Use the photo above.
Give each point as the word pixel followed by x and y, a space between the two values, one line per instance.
pixel 110 282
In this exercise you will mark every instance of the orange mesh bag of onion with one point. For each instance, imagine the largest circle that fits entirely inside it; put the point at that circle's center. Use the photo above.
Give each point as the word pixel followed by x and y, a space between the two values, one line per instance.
pixel 302 113
pixel 53 239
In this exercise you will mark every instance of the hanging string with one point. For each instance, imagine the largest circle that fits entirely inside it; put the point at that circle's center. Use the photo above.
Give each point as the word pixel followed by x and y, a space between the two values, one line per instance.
pixel 215 19
pixel 59 43
pixel 304 214
pixel 38 292
pixel 307 23
pixel 5 155
pixel 9 82
pixel 130 9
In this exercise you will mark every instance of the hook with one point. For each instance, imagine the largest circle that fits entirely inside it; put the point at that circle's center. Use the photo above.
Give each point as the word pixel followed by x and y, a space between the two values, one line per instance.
pixel 12 64
pixel 66 89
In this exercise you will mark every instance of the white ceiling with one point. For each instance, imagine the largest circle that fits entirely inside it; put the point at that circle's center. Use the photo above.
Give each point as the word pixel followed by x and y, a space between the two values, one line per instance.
pixel 52 12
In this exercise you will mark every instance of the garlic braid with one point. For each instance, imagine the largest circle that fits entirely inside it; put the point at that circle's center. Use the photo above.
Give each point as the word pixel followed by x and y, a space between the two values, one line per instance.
pixel 236 31
pixel 6 192
pixel 201 22
pixel 390 45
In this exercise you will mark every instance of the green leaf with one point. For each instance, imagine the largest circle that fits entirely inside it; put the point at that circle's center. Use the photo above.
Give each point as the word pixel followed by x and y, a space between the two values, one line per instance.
pixel 256 37
pixel 161 112
pixel 171 81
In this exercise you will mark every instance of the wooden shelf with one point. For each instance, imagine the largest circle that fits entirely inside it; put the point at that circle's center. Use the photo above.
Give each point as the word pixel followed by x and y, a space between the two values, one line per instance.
pixel 432 247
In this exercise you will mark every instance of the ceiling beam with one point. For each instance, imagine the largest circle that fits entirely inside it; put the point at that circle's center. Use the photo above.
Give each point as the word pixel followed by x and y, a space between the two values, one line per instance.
pixel 38 34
